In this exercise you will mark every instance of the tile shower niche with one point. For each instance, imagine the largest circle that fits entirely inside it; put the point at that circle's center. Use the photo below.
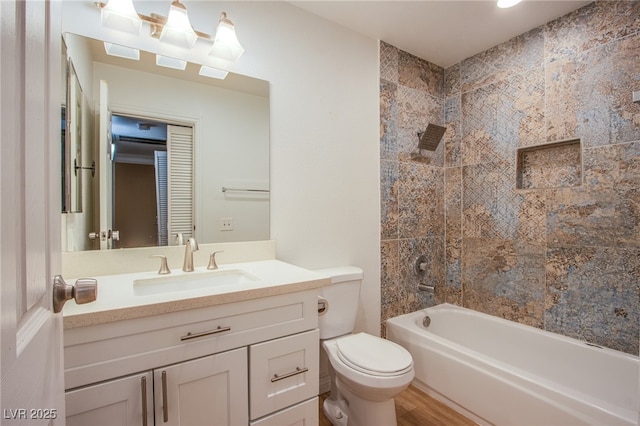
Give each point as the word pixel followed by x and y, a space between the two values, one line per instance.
pixel 550 165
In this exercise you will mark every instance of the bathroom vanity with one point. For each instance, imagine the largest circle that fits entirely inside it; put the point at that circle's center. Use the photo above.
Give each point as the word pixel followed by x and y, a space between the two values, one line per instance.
pixel 241 352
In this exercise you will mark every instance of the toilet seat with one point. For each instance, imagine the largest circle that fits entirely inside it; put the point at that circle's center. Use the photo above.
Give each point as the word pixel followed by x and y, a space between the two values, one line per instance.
pixel 373 355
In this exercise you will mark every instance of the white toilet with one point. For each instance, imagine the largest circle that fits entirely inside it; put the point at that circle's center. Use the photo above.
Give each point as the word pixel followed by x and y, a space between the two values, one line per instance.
pixel 367 372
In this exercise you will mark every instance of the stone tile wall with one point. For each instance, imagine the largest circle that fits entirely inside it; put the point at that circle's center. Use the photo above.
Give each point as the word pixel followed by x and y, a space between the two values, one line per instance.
pixel 412 182
pixel 565 258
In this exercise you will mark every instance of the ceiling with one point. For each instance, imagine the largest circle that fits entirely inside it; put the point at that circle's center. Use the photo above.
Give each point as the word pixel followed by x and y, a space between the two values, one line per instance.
pixel 443 32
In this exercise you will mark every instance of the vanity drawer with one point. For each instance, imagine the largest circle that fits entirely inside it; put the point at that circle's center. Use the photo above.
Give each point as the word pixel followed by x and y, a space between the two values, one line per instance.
pixel 283 372
pixel 305 413
pixel 100 352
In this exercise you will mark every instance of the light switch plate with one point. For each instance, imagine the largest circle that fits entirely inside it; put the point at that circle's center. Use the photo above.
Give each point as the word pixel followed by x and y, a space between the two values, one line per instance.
pixel 636 96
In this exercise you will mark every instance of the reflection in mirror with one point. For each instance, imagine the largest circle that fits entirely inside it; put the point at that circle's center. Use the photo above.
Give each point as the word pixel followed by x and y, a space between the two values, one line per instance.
pixel 71 134
pixel 227 126
pixel 142 176
pixel 64 169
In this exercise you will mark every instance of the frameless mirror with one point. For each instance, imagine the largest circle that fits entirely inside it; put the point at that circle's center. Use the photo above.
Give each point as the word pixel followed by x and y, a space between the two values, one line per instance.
pixel 176 154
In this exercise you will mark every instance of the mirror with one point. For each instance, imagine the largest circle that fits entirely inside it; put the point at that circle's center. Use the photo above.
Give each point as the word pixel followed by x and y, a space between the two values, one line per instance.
pixel 228 175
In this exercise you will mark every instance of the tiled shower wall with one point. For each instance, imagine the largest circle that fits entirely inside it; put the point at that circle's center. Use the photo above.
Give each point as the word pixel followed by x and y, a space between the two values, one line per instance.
pixel 563 254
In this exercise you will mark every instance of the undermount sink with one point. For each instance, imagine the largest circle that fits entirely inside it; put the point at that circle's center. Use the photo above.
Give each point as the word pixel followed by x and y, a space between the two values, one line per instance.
pixel 190 281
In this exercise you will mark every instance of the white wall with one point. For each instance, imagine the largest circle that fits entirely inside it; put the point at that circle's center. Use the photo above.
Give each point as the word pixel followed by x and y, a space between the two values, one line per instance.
pixel 324 129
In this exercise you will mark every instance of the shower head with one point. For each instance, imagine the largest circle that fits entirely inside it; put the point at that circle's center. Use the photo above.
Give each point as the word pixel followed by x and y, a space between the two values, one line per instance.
pixel 431 137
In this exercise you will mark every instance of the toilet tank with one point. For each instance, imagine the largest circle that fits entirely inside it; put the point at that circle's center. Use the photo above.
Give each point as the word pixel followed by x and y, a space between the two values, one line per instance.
pixel 342 296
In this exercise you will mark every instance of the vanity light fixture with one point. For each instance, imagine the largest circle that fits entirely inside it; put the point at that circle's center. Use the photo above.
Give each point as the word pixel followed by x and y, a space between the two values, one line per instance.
pixel 226 48
pixel 176 30
pixel 120 15
pixel 507 3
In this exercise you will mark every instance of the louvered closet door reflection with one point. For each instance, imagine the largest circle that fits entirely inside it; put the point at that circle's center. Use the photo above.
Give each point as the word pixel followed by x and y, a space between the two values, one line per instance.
pixel 180 185
pixel 162 207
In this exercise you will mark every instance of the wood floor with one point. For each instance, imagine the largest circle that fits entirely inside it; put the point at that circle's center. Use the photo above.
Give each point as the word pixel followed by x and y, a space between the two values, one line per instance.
pixel 415 408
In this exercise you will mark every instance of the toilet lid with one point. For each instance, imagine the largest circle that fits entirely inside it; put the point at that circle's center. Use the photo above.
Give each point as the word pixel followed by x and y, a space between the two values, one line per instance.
pixel 373 355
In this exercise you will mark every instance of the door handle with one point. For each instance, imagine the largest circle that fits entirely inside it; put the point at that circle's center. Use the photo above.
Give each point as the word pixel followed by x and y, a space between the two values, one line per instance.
pixel 85 290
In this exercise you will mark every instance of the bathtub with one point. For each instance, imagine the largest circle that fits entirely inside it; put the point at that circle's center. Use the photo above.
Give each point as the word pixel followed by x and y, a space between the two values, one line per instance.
pixel 500 372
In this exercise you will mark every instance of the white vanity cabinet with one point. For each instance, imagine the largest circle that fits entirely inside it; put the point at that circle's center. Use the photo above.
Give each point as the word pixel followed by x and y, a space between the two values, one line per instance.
pixel 204 391
pixel 199 366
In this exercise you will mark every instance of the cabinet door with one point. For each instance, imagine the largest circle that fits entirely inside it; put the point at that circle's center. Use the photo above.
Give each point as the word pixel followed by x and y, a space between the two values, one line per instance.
pixel 206 391
pixel 125 401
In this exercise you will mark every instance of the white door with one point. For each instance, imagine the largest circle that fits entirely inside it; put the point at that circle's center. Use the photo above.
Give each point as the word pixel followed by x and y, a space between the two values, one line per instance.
pixel 31 368
pixel 105 174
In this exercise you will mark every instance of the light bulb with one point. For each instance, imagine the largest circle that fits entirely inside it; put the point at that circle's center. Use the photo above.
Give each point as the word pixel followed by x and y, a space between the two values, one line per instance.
pixel 226 48
pixel 178 30
pixel 121 15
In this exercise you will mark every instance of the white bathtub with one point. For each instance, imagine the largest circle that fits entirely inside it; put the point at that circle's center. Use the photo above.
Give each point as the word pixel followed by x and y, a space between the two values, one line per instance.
pixel 500 372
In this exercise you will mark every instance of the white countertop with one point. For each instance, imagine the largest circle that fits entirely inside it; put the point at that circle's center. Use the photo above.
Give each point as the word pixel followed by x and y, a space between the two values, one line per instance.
pixel 117 300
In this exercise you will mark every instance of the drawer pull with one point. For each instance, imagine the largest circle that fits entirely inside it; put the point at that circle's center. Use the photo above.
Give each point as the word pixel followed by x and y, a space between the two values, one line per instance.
pixel 190 335
pixel 299 370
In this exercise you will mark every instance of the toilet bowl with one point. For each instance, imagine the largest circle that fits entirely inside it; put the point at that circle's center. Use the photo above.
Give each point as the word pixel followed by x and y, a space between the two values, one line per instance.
pixel 366 371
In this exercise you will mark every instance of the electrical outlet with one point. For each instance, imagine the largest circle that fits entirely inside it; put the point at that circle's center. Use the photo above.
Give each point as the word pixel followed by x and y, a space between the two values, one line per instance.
pixel 636 96
pixel 226 224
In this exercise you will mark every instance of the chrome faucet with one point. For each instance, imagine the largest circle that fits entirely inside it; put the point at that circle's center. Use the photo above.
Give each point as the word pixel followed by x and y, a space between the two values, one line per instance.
pixel 190 247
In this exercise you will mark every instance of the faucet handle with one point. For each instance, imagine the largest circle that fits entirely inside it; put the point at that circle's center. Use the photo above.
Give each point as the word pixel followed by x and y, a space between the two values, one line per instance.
pixel 212 259
pixel 164 267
